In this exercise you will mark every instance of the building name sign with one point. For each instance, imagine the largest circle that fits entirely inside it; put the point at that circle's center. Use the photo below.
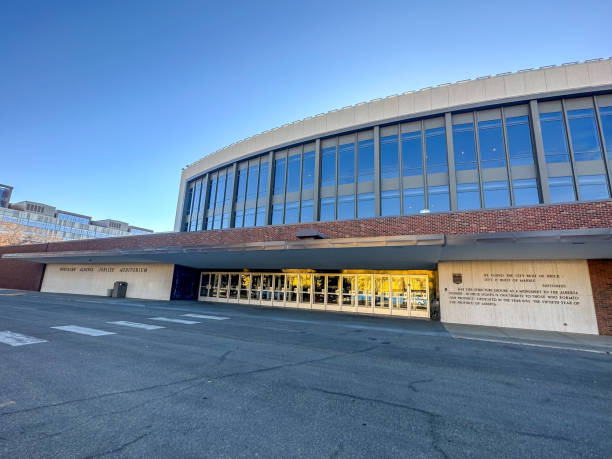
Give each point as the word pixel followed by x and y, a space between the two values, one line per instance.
pixel 103 269
pixel 502 287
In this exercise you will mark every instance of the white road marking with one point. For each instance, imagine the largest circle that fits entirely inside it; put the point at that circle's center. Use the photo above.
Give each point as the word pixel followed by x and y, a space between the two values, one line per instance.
pixel 17 339
pixel 84 330
pixel 136 325
pixel 177 321
pixel 202 316
pixel 595 351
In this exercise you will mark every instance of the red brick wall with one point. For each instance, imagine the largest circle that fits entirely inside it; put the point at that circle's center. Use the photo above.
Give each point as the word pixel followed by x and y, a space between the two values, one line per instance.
pixel 537 218
pixel 22 275
pixel 601 283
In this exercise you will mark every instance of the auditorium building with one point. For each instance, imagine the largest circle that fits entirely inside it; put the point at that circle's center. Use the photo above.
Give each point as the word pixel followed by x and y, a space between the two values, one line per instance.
pixel 487 200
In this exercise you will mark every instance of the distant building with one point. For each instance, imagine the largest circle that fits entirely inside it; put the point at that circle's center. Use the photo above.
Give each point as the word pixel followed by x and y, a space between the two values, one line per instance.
pixel 5 195
pixel 43 223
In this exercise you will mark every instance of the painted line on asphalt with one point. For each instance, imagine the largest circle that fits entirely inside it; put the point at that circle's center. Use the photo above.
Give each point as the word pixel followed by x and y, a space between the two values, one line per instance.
pixel 177 321
pixel 84 330
pixel 17 339
pixel 202 316
pixel 136 325
pixel 548 346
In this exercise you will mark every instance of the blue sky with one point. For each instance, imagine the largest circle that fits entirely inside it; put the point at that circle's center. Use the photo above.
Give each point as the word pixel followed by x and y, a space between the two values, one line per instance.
pixel 103 102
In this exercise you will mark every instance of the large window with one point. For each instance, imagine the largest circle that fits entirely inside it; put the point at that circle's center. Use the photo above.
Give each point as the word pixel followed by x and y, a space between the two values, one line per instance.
pixel 252 184
pixel 593 187
pixel 365 161
pixel 491 143
pixel 293 173
pixel 346 164
pixel 249 217
pixel 435 147
pixel 346 207
pixel 439 200
pixel 412 154
pixel 238 219
pixel 263 180
pixel 561 189
pixel 389 157
pixel 280 167
pixel 468 196
pixel 414 200
pixel 525 192
pixel 519 140
pixel 553 137
pixel 229 188
pixel 308 170
pixel 390 203
pixel 242 183
pixel 606 125
pixel 291 212
pixel 260 217
pixel 585 139
pixel 212 194
pixel 365 205
pixel 496 194
pixel 306 213
pixel 277 214
pixel 220 192
pixel 328 209
pixel 464 146
pixel 328 167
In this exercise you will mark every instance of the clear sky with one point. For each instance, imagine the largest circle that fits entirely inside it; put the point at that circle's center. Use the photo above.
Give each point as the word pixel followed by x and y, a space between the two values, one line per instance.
pixel 103 102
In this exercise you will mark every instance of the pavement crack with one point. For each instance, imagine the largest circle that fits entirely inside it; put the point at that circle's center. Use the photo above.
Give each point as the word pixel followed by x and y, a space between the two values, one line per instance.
pixel 121 447
pixel 412 383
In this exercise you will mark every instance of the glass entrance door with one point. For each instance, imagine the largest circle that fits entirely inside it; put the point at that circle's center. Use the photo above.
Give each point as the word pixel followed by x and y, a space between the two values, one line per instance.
pixel 233 292
pixel 419 296
pixel 381 292
pixel 400 293
pixel 267 287
pixel 349 287
pixel 364 291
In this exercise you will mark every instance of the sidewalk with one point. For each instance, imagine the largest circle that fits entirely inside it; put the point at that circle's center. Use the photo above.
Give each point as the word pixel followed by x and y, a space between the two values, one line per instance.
pixel 551 339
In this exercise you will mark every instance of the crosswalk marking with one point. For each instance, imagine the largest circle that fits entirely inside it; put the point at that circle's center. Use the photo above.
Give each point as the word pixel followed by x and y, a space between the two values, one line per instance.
pixel 136 325
pixel 178 321
pixel 202 316
pixel 17 339
pixel 84 330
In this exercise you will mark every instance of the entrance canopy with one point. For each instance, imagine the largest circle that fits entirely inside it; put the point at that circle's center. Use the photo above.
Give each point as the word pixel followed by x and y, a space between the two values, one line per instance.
pixel 389 252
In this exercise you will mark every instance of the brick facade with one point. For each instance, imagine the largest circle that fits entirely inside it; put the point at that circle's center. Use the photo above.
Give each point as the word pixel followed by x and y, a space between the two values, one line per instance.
pixel 601 283
pixel 28 276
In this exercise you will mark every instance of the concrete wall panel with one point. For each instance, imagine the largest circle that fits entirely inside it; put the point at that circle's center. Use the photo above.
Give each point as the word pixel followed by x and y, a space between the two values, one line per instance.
pixel 539 295
pixel 151 282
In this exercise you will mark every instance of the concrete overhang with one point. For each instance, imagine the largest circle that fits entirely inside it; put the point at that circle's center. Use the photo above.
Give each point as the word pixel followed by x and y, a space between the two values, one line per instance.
pixel 387 252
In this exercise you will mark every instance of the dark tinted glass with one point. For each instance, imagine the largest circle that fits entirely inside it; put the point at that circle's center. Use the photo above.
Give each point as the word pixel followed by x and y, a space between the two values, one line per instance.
pixel 365 161
pixel 346 164
pixel 389 157
pixel 328 167
pixel 412 154
pixel 308 170
pixel 465 147
pixel 585 139
pixel 435 147
pixel 468 196
pixel 491 142
pixel 519 140
pixel 553 137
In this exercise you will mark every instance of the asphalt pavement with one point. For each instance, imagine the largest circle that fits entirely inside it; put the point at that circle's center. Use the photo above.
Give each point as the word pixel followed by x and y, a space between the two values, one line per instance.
pixel 98 377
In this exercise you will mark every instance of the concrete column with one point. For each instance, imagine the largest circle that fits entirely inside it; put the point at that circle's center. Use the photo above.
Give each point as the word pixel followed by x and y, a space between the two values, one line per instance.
pixel 450 157
pixel 534 118
pixel 317 181
pixel 377 171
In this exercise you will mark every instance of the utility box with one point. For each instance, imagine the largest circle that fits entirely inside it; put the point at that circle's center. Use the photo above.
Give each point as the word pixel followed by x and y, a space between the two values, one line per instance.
pixel 119 289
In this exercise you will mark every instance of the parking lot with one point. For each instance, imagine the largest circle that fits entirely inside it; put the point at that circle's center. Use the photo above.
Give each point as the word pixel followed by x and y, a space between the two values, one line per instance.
pixel 87 377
